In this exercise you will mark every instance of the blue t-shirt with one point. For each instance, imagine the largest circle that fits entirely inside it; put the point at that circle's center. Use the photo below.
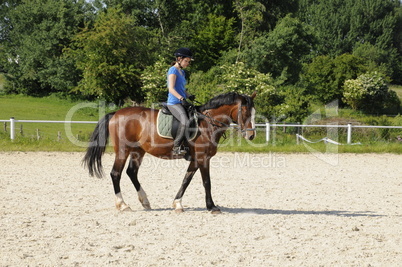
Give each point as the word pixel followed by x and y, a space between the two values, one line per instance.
pixel 179 86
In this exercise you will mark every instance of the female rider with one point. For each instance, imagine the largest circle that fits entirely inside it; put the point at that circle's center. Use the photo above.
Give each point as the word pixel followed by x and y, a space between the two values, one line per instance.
pixel 176 82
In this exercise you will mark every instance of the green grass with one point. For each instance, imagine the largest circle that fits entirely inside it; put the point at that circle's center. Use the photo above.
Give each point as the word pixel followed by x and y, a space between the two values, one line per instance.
pixel 48 108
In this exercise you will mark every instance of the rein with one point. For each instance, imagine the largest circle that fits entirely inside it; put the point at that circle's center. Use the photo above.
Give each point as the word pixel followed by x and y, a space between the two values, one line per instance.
pixel 222 124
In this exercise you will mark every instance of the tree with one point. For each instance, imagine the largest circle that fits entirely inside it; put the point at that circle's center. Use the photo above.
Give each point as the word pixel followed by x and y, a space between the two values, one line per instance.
pixel 34 34
pixel 275 10
pixel 5 25
pixel 250 15
pixel 397 76
pixel 111 56
pixel 375 57
pixel 214 36
pixel 342 25
pixel 282 51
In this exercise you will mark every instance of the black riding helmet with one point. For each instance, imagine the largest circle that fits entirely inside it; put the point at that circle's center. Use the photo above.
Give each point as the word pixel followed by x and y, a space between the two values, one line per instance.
pixel 183 52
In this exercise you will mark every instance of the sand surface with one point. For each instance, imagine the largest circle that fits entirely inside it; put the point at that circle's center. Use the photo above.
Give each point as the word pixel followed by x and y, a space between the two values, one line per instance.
pixel 277 210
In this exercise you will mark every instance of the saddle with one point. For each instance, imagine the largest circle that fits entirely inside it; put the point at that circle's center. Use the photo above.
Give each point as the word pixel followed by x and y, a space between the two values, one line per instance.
pixel 167 124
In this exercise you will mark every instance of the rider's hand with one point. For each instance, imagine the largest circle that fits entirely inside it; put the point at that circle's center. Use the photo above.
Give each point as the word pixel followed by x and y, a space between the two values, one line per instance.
pixel 185 103
pixel 191 97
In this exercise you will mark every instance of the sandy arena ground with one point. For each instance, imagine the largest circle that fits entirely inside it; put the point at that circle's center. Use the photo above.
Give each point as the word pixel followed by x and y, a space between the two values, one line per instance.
pixel 278 210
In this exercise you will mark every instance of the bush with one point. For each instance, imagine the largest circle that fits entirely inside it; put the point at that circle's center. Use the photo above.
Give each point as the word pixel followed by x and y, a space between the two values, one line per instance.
pixel 325 77
pixel 294 105
pixel 155 82
pixel 369 93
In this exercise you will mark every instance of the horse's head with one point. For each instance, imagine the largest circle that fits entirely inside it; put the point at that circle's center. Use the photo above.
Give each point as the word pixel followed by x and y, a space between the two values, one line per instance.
pixel 234 107
pixel 245 116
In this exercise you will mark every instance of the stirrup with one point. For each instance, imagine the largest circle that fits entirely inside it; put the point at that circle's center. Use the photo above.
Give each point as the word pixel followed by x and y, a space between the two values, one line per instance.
pixel 178 151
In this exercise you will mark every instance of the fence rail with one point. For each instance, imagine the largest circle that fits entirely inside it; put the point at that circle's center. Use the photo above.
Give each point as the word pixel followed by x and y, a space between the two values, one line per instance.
pixel 268 126
pixel 348 126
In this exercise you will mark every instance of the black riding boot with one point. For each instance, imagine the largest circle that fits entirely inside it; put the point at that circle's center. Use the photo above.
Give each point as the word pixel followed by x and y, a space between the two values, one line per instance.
pixel 177 145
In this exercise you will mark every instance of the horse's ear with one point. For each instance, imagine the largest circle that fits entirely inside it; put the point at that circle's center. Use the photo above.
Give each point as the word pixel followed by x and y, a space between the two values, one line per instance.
pixel 253 95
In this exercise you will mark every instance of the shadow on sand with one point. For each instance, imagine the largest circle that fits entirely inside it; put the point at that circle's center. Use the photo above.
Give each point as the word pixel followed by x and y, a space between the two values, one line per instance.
pixel 259 211
pixel 341 213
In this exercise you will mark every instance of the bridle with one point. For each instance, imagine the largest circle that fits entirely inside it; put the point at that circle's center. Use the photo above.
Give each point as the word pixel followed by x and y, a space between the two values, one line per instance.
pixel 239 115
pixel 221 124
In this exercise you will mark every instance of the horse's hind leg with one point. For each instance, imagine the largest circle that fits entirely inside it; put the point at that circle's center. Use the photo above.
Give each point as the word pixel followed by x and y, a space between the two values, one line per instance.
pixel 132 172
pixel 116 176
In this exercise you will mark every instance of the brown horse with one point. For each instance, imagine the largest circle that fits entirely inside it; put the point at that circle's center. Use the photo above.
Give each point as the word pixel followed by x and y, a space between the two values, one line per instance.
pixel 133 133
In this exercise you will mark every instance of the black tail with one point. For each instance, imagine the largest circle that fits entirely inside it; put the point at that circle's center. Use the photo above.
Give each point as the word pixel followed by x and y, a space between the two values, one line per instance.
pixel 97 146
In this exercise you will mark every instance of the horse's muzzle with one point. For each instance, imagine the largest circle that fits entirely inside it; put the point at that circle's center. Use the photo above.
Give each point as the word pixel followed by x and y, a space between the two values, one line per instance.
pixel 249 134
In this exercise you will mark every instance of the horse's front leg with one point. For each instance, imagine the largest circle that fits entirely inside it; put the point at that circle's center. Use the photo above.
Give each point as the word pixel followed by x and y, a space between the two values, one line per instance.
pixel 191 170
pixel 206 179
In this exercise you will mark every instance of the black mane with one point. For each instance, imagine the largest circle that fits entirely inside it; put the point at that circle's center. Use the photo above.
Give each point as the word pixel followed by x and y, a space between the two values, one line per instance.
pixel 226 99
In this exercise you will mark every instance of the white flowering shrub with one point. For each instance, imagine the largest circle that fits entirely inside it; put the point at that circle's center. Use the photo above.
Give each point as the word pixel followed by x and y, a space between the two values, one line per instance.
pixel 353 93
pixel 369 93
pixel 155 82
pixel 242 79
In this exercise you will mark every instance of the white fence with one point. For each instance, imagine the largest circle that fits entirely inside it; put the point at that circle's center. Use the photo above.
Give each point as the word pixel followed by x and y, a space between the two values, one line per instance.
pixel 13 121
pixel 268 126
pixel 349 127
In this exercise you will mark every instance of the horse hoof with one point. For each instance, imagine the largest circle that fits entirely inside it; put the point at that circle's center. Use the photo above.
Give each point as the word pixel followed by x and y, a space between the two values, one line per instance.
pixel 147 206
pixel 127 208
pixel 179 210
pixel 216 211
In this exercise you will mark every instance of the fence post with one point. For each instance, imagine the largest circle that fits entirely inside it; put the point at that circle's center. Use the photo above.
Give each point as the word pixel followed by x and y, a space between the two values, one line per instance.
pixel 267 131
pixel 349 136
pixel 12 128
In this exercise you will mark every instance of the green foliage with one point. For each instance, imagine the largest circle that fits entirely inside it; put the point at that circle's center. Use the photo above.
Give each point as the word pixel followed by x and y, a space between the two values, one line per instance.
pixel 236 78
pixel 282 51
pixel 324 77
pixel 215 36
pixel 376 59
pixel 35 38
pixel 340 24
pixel 346 67
pixel 111 56
pixel 368 92
pixel 250 15
pixel 272 103
pixel 294 105
pixel 154 82
pixel 205 85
